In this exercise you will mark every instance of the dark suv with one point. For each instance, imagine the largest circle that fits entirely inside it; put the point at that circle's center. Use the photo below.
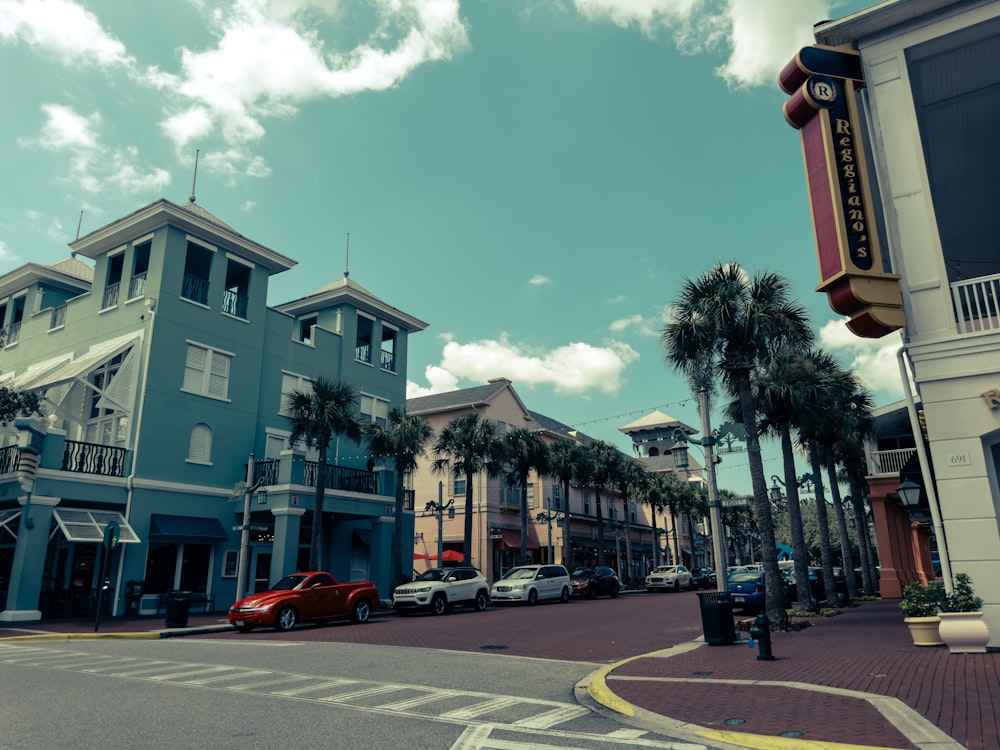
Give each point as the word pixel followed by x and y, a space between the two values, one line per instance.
pixel 703 578
pixel 594 582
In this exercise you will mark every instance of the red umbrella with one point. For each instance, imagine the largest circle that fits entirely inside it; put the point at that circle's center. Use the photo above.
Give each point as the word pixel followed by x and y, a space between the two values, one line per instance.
pixel 450 555
pixel 422 556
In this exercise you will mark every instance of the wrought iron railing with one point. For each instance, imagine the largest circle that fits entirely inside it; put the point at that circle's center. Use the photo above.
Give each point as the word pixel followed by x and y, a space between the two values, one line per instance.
pixel 58 317
pixel 342 478
pixel 977 304
pixel 266 472
pixel 10 459
pixel 137 286
pixel 363 353
pixel 110 296
pixel 91 458
pixel 13 333
pixel 235 303
pixel 388 362
pixel 890 461
pixel 195 289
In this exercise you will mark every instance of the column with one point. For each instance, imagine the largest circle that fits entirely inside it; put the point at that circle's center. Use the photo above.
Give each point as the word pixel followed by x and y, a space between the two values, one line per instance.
pixel 285 548
pixel 29 559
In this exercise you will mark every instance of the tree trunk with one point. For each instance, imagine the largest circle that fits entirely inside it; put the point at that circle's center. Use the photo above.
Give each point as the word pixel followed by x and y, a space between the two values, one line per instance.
pixel 398 575
pixel 524 520
pixel 847 557
pixel 567 531
pixel 800 553
pixel 823 520
pixel 467 534
pixel 600 526
pixel 316 548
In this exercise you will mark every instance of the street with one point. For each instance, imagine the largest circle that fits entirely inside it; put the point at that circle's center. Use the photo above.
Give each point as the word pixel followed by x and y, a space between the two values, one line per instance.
pixel 343 686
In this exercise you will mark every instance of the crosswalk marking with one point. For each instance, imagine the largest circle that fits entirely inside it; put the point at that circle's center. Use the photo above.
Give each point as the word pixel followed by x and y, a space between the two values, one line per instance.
pixel 362 693
pixel 551 718
pixel 478 709
pixel 321 685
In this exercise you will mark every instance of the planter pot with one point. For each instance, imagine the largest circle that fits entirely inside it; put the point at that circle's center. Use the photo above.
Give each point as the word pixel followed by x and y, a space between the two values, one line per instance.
pixel 924 630
pixel 964 632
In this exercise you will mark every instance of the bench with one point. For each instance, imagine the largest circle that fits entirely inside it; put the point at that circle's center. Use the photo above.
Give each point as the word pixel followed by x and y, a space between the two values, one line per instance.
pixel 205 601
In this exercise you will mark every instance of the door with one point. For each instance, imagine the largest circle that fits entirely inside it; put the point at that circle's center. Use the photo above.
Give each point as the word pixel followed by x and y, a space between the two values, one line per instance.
pixel 260 568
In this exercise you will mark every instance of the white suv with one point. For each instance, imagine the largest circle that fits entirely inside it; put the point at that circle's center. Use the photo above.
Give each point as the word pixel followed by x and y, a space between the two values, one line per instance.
pixel 440 589
pixel 532 584
pixel 669 578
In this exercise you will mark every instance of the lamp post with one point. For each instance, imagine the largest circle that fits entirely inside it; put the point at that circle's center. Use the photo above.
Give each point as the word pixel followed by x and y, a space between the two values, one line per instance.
pixel 250 487
pixel 714 508
pixel 439 508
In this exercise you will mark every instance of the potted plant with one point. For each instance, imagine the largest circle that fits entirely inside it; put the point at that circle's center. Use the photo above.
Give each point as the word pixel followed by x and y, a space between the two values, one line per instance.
pixel 920 606
pixel 962 627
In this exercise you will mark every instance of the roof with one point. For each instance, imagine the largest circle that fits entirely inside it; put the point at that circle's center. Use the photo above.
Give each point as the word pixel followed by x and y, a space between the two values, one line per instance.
pixel 653 421
pixel 557 428
pixel 464 398
pixel 68 274
pixel 347 290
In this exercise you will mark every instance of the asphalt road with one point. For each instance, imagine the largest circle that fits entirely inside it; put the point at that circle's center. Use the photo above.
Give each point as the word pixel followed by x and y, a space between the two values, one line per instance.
pixel 414 682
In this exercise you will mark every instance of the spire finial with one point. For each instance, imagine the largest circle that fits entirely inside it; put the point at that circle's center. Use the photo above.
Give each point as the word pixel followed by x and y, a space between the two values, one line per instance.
pixel 195 178
pixel 347 258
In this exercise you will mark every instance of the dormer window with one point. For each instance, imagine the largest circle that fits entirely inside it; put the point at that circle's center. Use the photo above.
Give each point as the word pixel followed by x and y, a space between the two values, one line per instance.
pixel 197 269
pixel 236 299
pixel 388 355
pixel 140 267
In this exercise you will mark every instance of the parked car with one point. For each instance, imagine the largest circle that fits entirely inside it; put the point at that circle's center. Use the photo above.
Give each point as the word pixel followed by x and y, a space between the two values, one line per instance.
pixel 748 591
pixel 669 578
pixel 594 582
pixel 532 584
pixel 305 597
pixel 438 590
pixel 703 578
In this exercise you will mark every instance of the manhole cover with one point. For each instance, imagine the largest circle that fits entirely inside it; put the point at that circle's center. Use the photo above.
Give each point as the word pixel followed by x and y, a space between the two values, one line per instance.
pixel 494 648
pixel 792 733
pixel 701 673
pixel 734 722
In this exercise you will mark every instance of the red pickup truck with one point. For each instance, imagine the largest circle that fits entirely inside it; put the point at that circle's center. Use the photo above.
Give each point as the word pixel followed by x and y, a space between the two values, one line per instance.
pixel 305 597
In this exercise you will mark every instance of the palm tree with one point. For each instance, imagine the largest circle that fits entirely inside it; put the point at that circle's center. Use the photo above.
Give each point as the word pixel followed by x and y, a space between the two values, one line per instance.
pixel 629 477
pixel 466 446
pixel 328 409
pixel 524 452
pixel 734 321
pixel 403 441
pixel 596 469
pixel 656 494
pixel 564 459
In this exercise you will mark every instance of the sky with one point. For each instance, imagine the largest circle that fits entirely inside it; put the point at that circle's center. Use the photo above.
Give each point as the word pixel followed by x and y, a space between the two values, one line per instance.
pixel 533 179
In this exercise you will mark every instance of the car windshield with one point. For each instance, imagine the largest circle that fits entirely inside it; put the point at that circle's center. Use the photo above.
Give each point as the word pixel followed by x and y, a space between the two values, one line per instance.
pixel 289 582
pixel 666 569
pixel 582 572
pixel 744 576
pixel 521 573
pixel 434 574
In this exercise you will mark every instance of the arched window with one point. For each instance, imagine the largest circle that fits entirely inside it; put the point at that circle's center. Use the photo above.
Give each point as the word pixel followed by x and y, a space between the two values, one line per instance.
pixel 200 447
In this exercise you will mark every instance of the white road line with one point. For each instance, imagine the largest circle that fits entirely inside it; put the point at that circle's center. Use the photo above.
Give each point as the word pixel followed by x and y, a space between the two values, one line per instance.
pixel 553 717
pixel 239 675
pixel 201 670
pixel 309 688
pixel 420 700
pixel 363 693
pixel 485 707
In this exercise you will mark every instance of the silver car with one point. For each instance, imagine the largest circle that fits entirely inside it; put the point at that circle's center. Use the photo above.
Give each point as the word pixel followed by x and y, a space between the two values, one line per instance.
pixel 669 578
pixel 532 584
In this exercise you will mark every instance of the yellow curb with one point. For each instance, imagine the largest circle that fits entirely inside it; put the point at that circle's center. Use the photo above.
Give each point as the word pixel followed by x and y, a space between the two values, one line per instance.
pixel 765 742
pixel 147 636
pixel 599 691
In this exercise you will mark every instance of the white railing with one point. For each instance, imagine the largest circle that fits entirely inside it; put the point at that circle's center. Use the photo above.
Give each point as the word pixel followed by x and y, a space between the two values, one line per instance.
pixel 889 462
pixel 977 304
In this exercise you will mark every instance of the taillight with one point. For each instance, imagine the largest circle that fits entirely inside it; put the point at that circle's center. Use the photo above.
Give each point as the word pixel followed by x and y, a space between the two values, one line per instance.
pixel 758 589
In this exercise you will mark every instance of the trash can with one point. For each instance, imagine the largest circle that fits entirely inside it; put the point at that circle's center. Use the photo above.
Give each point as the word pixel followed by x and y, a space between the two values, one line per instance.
pixel 717 618
pixel 178 606
pixel 133 595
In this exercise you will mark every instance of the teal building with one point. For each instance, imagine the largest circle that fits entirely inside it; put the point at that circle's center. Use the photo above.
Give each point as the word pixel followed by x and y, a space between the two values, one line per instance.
pixel 163 372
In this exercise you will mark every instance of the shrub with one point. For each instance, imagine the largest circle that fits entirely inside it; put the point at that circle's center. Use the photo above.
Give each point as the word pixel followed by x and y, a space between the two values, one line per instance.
pixel 922 601
pixel 963 599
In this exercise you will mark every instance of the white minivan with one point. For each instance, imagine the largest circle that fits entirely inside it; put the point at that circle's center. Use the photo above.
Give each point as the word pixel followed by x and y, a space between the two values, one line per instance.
pixel 532 584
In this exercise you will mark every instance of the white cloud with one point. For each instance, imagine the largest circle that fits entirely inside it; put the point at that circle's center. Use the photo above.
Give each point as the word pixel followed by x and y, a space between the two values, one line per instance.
pixel 759 36
pixel 66 128
pixel 539 280
pixel 64 28
pixel 575 368
pixel 874 360
pixel 6 255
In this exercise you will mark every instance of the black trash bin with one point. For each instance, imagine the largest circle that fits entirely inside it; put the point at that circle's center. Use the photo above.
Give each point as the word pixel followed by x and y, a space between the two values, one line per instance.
pixel 717 618
pixel 178 607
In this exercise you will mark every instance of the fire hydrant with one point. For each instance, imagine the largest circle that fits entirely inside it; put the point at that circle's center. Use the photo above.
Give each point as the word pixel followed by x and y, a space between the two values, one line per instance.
pixel 761 632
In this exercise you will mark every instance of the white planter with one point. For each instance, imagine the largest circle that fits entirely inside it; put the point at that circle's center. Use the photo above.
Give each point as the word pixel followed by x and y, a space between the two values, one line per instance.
pixel 964 632
pixel 924 630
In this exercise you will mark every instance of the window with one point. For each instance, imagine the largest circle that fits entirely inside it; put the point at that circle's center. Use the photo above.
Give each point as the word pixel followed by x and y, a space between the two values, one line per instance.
pixel 292 382
pixel 363 347
pixel 557 497
pixel 236 298
pixel 586 502
pixel 531 495
pixel 206 371
pixel 388 359
pixel 306 326
pixel 140 267
pixel 115 265
pixel 375 410
pixel 105 426
pixel 197 267
pixel 458 486
pixel 200 445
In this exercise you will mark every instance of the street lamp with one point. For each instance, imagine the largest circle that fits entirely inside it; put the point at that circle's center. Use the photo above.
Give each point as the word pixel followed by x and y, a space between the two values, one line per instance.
pixel 547 518
pixel 714 509
pixel 248 490
pixel 439 508
pixel 806 481
pixel 909 493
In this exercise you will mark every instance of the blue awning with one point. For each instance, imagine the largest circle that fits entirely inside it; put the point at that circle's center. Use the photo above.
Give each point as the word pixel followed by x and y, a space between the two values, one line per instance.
pixel 185 529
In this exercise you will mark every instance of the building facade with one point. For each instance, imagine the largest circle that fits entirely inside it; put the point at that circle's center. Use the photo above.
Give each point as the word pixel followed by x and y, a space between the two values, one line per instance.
pixel 163 371
pixel 931 96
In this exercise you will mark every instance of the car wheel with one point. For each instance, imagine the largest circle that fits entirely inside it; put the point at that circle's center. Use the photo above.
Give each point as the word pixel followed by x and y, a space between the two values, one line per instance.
pixel 677 585
pixel 482 600
pixel 362 611
pixel 287 617
pixel 592 592
pixel 614 592
pixel 439 605
pixel 564 596
pixel 533 597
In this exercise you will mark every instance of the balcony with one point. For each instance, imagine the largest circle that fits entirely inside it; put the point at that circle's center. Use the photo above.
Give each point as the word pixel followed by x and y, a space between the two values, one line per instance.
pixel 58 317
pixel 13 334
pixel 137 286
pixel 110 296
pixel 235 304
pixel 195 289
pixel 977 304
pixel 91 458
pixel 388 362
pixel 10 459
pixel 888 462
pixel 338 478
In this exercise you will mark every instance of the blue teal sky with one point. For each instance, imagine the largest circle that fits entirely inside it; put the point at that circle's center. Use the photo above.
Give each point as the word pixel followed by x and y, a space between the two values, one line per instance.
pixel 534 180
